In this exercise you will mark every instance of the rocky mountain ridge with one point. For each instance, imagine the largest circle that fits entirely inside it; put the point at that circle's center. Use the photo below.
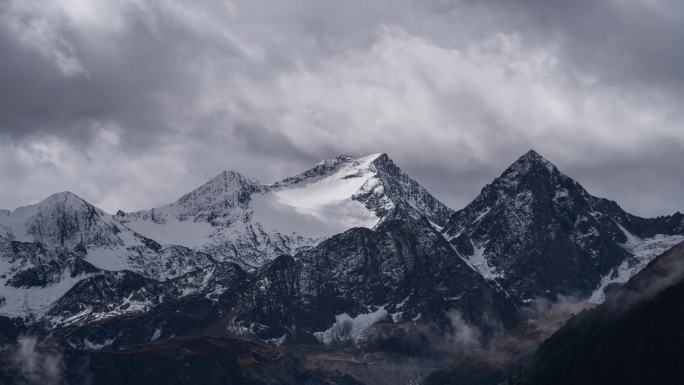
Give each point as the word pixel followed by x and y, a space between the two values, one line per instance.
pixel 538 233
pixel 389 268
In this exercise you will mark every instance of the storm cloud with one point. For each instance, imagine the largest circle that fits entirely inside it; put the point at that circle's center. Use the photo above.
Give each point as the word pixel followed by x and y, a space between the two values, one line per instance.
pixel 131 103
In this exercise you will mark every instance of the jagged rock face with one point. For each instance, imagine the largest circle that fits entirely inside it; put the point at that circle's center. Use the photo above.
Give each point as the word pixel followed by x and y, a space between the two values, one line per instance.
pixel 251 246
pixel 119 309
pixel 33 276
pixel 537 232
pixel 50 273
pixel 147 314
pixel 401 271
pixel 106 294
pixel 59 285
pixel 167 262
pixel 211 281
pixel 32 265
pixel 641 227
pixel 409 197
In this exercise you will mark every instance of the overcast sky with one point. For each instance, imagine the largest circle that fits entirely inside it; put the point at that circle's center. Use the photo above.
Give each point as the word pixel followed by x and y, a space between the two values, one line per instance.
pixel 130 103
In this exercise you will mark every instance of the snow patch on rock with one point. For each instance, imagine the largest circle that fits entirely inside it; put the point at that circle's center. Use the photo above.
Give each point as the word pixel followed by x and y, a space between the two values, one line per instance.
pixel 478 261
pixel 643 252
pixel 348 328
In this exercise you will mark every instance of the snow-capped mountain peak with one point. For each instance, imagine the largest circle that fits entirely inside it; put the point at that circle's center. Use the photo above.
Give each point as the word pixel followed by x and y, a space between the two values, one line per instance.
pixel 529 169
pixel 215 198
pixel 227 182
pixel 532 159
pixel 65 197
pixel 62 219
pixel 295 262
pixel 63 200
pixel 358 192
pixel 328 193
pixel 540 233
pixel 237 216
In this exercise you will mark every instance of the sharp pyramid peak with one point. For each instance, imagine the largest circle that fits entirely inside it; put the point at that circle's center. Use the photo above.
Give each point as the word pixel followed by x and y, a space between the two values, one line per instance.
pixel 226 181
pixel 64 201
pixel 230 175
pixel 532 172
pixel 531 161
pixel 66 197
pixel 532 153
pixel 533 156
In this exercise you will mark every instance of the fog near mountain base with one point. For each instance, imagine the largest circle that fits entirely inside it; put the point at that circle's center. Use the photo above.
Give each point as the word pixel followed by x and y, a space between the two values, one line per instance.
pixel 502 347
pixel 465 337
pixel 36 366
pixel 322 221
pixel 663 272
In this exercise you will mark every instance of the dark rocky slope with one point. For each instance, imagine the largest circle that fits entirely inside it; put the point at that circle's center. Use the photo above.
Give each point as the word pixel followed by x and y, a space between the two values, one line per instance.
pixel 403 270
pixel 539 233
pixel 636 337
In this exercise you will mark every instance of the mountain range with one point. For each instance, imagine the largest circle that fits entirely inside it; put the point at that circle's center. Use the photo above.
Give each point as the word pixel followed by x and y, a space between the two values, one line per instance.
pixel 350 254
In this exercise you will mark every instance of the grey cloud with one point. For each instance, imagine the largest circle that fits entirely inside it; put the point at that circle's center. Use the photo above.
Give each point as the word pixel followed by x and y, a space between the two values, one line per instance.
pixel 452 90
pixel 36 366
pixel 647 181
pixel 137 77
pixel 627 42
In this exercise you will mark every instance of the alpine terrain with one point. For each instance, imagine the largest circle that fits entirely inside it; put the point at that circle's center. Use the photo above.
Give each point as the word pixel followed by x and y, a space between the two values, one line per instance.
pixel 292 282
